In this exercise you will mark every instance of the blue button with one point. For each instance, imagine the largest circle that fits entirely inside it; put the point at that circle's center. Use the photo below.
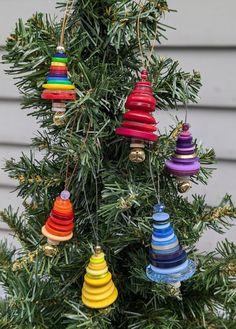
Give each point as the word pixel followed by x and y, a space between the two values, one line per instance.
pixel 160 216
pixel 164 243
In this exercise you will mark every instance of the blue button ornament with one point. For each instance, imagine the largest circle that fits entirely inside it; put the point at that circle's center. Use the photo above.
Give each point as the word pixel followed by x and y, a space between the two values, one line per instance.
pixel 169 262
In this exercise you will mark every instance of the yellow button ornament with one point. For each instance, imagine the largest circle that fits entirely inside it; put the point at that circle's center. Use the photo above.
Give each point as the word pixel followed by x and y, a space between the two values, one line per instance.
pixel 98 290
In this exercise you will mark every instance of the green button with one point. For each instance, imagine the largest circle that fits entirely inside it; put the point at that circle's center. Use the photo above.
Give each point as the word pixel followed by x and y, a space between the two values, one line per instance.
pixel 59 59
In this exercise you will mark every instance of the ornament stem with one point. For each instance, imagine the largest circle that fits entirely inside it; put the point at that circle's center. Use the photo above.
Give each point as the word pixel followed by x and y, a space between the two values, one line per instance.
pixel 184 184
pixel 98 249
pixel 137 153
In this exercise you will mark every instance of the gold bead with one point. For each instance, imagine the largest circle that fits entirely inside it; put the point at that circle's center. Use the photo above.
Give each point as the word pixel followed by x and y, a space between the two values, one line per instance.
pixel 184 186
pixel 137 155
pixel 21 178
pixel 230 269
pixel 174 290
pixel 59 118
pixel 50 250
pixel 98 249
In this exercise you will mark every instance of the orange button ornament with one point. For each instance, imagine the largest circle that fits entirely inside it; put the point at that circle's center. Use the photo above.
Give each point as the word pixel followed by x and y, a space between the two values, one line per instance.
pixel 59 225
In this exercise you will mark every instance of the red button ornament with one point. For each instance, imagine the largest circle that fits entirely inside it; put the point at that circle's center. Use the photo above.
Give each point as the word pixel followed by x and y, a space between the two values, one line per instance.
pixel 138 123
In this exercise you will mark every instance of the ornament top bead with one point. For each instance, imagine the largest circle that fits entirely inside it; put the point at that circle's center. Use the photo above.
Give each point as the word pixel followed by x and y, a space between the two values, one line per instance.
pixel 144 74
pixel 185 126
pixel 60 49
pixel 159 207
pixel 98 249
pixel 65 195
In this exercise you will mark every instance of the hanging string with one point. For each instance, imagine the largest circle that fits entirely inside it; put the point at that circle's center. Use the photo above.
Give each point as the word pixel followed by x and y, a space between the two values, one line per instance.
pixel 154 41
pixel 186 102
pixel 157 190
pixel 65 21
pixel 138 26
pixel 69 5
pixel 139 35
pixel 90 216
pixel 186 113
pixel 96 197
pixel 67 180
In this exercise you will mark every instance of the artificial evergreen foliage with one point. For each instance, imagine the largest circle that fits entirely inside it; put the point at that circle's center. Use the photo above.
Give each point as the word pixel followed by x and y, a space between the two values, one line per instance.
pixel 45 293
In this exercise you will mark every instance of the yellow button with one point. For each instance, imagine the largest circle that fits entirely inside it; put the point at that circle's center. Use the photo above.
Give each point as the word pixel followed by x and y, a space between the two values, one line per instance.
pixel 97 282
pixel 58 86
pixel 98 290
pixel 97 272
pixel 57 64
pixel 98 297
pixel 103 303
pixel 97 259
pixel 97 277
pixel 97 266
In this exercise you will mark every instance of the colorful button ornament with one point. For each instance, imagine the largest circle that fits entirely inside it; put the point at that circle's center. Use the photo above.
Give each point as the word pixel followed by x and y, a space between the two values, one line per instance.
pixel 139 124
pixel 169 262
pixel 59 88
pixel 98 290
pixel 60 223
pixel 184 162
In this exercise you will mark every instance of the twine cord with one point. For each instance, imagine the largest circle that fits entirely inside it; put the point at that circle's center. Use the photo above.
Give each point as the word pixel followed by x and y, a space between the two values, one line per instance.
pixel 186 101
pixel 139 33
pixel 65 21
pixel 90 215
pixel 97 205
pixel 157 190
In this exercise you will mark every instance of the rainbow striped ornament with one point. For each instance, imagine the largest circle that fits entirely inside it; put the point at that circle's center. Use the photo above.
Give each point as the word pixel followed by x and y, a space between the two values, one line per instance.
pixel 58 88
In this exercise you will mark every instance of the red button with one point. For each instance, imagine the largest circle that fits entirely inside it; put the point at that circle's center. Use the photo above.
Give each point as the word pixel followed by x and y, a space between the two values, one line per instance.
pixel 139 116
pixel 139 126
pixel 136 134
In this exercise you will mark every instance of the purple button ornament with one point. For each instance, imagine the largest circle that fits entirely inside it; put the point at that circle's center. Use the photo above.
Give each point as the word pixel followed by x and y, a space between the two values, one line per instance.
pixel 184 162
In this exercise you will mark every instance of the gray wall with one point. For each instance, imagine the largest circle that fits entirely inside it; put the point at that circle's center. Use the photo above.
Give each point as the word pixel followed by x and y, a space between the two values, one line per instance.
pixel 205 40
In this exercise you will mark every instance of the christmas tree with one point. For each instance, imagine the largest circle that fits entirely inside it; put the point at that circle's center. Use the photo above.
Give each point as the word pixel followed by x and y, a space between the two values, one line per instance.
pixel 110 205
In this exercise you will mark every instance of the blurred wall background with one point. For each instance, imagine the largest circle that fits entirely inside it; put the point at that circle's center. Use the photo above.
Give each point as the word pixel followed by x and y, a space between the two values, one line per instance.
pixel 204 40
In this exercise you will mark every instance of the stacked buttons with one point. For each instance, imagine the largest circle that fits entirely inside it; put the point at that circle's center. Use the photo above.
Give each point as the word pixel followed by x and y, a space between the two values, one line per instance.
pixel 167 257
pixel 98 290
pixel 138 122
pixel 58 87
pixel 184 162
pixel 59 225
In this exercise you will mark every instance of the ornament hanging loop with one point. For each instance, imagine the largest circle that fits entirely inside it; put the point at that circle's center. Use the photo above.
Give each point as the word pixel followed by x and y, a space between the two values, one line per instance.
pixel 68 8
